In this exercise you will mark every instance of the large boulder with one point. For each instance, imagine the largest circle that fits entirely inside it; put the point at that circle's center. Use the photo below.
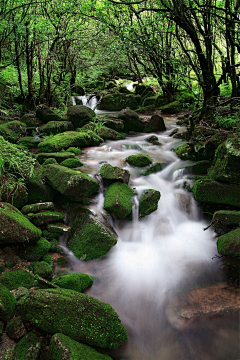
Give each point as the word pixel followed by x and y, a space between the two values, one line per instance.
pixel 35 252
pixel 63 347
pixel 213 192
pixel 12 130
pixel 74 184
pixel 30 120
pixel 155 123
pixel 229 244
pixel 224 221
pixel 46 217
pixel 196 167
pixel 148 202
pixel 131 120
pixel 74 281
pixel 90 238
pixel 15 227
pixel 103 131
pixel 7 303
pixel 77 90
pixel 34 208
pixel 45 114
pixel 172 108
pixel 226 164
pixel 55 127
pixel 111 174
pixel 116 101
pixel 112 122
pixel 18 278
pixel 38 190
pixel 79 316
pixel 140 160
pixel 29 142
pixel 118 200
pixel 69 139
pixel 80 115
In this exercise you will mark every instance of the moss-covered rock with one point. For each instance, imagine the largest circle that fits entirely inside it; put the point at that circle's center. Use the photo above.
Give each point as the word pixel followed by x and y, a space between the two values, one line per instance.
pixel 29 142
pixel 209 191
pixel 48 259
pixel 58 156
pixel 62 347
pixel 30 120
pixel 148 202
pixel 45 114
pixel 111 174
pixel 80 115
pixel 196 167
pixel 74 150
pixel 46 217
pixel 69 139
pixel 229 244
pixel 34 208
pixel 172 108
pixel 116 101
pixel 149 100
pixel 7 303
pixel 36 251
pixel 76 315
pixel 15 329
pixel 226 164
pixel 72 163
pixel 15 227
pixel 118 200
pixel 38 190
pixel 155 123
pixel 75 281
pixel 12 130
pixel 160 101
pixel 50 161
pixel 224 221
pixel 55 127
pixel 17 278
pixel 131 120
pixel 153 168
pixel 110 134
pixel 43 269
pixel 58 228
pixel 71 183
pixel 112 122
pixel 89 237
pixel 13 191
pixel 28 348
pixel 140 160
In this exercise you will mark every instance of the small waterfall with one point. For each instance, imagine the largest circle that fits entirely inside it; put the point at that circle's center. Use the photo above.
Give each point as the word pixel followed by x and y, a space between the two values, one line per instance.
pixel 130 86
pixel 90 101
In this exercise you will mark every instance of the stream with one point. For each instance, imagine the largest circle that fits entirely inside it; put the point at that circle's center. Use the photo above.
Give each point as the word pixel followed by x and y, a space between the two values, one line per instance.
pixel 156 259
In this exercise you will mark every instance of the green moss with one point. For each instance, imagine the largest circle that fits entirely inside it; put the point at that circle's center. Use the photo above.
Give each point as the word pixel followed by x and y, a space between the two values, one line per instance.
pixel 43 269
pixel 38 190
pixel 2 268
pixel 72 163
pixel 139 160
pixel 46 217
pixel 58 156
pixel 61 261
pixel 117 101
pixel 196 167
pixel 131 120
pixel 7 303
pixel 74 281
pixel 172 108
pixel 33 208
pixel 80 115
pixel 63 347
pixel 185 152
pixel 154 168
pixel 112 174
pixel 15 329
pixel 229 244
pixel 48 259
pixel 74 150
pixel 15 227
pixel 28 348
pixel 13 191
pixel 17 278
pixel 50 161
pixel 55 127
pixel 12 130
pixel 148 202
pixel 76 315
pixel 29 142
pixel 225 220
pixel 36 251
pixel 118 200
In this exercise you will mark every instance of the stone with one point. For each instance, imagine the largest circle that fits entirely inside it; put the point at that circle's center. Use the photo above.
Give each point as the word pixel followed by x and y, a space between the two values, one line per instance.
pixel 36 251
pixel 172 108
pixel 155 123
pixel 196 167
pixel 29 142
pixel 74 150
pixel 148 202
pixel 140 88
pixel 43 269
pixel 110 134
pixel 58 228
pixel 13 191
pixel 79 316
pixel 112 174
pixel 151 139
pixel 224 221
pixel 38 190
pixel 55 127
pixel 72 163
pixel 80 115
pixel 12 130
pixel 153 168
pixel 7 303
pixel 118 200
pixel 131 120
pixel 74 281
pixel 31 120
pixel 140 160
pixel 34 208
pixel 46 217
pixel 112 122
pixel 90 238
pixel 149 100
pixel 58 156
pixel 116 101
pixel 15 227
pixel 63 347
pixel 229 244
pixel 74 184
pixel 45 114
pixel 15 329
pixel 28 348
pixel 17 278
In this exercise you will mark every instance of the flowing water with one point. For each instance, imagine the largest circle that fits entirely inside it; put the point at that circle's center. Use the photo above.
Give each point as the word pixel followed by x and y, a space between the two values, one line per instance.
pixel 157 258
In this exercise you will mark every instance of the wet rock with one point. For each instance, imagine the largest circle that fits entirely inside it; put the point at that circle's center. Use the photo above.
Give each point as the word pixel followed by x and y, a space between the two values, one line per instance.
pixel 155 123
pixel 7 303
pixel 36 251
pixel 80 115
pixel 34 208
pixel 15 329
pixel 213 192
pixel 90 238
pixel 172 108
pixel 43 269
pixel 131 120
pixel 154 168
pixel 112 122
pixel 29 142
pixel 79 316
pixel 225 220
pixel 30 120
pixel 148 202
pixel 55 127
pixel 17 278
pixel 112 174
pixel 184 201
pixel 38 190
pixel 74 150
pixel 229 244
pixel 12 130
pixel 151 139
pixel 139 89
pixel 196 167
pixel 74 281
pixel 118 200
pixel 104 132
pixel 141 160
pixel 46 217
pixel 45 114
pixel 28 348
pixel 15 227
pixel 116 101
pixel 58 228
pixel 71 349
pixel 73 184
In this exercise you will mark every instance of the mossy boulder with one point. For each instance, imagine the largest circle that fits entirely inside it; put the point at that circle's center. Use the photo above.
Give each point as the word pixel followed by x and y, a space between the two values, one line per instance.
pixel 112 122
pixel 74 281
pixel 80 115
pixel 7 303
pixel 148 202
pixel 46 217
pixel 15 227
pixel 58 228
pixel 13 191
pixel 36 251
pixel 55 127
pixel 43 269
pixel 149 100
pixel 34 208
pixel 12 130
pixel 172 108
pixel 45 114
pixel 75 185
pixel 196 167
pixel 153 168
pixel 72 163
pixel 116 101
pixel 155 123
pixel 17 278
pixel 140 160
pixel 74 150
pixel 58 156
pixel 224 221
pixel 38 190
pixel 15 329
pixel 50 161
pixel 90 238
pixel 229 244
pixel 28 348
pixel 111 174
pixel 79 316
pixel 29 142
pixel 62 347
pixel 118 200
pixel 30 120
pixel 69 139
pixel 131 120
pixel 213 192
pixel 226 164
pixel 110 134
